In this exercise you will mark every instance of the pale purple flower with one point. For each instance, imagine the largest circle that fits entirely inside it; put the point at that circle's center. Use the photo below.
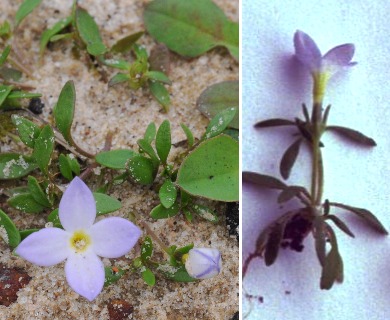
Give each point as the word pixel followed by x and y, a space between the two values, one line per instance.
pixel 82 242
pixel 322 68
pixel 203 263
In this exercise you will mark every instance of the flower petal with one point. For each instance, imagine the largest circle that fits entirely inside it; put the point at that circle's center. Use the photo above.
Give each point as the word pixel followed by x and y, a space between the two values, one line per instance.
pixel 45 247
pixel 307 51
pixel 340 55
pixel 77 208
pixel 203 263
pixel 114 237
pixel 85 274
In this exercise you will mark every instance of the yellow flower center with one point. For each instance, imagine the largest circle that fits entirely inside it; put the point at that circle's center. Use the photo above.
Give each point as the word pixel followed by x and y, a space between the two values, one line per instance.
pixel 80 241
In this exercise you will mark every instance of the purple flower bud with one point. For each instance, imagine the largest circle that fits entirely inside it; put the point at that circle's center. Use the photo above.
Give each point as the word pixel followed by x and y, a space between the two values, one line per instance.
pixel 203 263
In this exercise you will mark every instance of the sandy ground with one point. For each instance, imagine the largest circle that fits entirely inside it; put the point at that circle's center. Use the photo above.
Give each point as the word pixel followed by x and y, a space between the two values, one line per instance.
pixel 126 113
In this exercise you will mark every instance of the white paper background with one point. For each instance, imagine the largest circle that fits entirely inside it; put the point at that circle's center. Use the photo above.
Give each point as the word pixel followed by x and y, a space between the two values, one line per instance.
pixel 275 85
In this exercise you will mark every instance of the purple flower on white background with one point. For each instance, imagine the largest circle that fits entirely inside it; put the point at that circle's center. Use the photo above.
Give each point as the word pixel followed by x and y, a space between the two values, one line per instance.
pixel 322 68
pixel 203 263
pixel 82 242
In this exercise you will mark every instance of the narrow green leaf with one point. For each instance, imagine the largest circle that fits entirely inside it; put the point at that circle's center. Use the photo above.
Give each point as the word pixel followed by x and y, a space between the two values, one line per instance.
pixel 339 223
pixel 89 32
pixel 183 250
pixel 125 44
pixel 25 9
pixel 191 28
pixel 64 110
pixel 55 219
pixel 178 274
pixel 20 94
pixel 289 158
pixel 219 123
pixel 114 159
pixel 146 249
pixel 168 193
pixel 326 115
pixel 62 36
pixel 116 63
pixel 8 231
pixel 205 212
pixel 366 215
pixel 263 180
pixel 118 78
pixel 219 97
pixel 189 135
pixel 54 30
pixel 212 170
pixel 112 275
pixel 25 202
pixel 5 30
pixel 150 132
pixel 274 123
pixel 185 198
pixel 163 141
pixel 65 167
pixel 352 135
pixel 160 212
pixel 28 130
pixel 141 169
pixel 188 215
pixel 319 234
pixel 4 92
pixel 43 148
pixel 158 90
pixel 272 245
pixel 4 55
pixel 148 276
pixel 105 203
pixel 36 191
pixel 74 164
pixel 13 165
pixel 158 76
pixel 146 147
pixel 25 233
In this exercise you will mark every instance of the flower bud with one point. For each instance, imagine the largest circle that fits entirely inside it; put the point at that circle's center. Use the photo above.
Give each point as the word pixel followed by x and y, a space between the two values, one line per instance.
pixel 203 263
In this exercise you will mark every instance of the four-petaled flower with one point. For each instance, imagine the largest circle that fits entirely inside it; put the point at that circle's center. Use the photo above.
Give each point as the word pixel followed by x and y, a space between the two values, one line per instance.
pixel 82 242
pixel 322 68
pixel 203 263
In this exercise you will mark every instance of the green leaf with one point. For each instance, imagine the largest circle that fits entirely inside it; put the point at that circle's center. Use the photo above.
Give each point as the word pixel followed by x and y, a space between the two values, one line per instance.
pixel 25 9
pixel 28 130
pixel 148 276
pixel 141 169
pixel 188 215
pixel 62 36
pixel 8 231
pixel 13 165
pixel 25 233
pixel 219 97
pixel 106 204
pixel 352 135
pixel 64 110
pixel 4 55
pixel 54 218
pixel 183 250
pixel 43 148
pixel 319 234
pixel 168 193
pixel 114 159
pixel 146 147
pixel 89 32
pixel 4 92
pixel 158 76
pixel 212 170
pixel 150 132
pixel 158 90
pixel 118 78
pixel 185 198
pixel 160 212
pixel 189 135
pixel 146 249
pixel 20 94
pixel 10 74
pixel 263 180
pixel 178 274
pixel 289 158
pixel 49 33
pixel 339 223
pixel 65 167
pixel 125 44
pixel 219 123
pixel 163 141
pixel 36 191
pixel 112 276
pixel 274 123
pixel 25 202
pixel 5 30
pixel 116 63
pixel 205 212
pixel 191 28
pixel 366 215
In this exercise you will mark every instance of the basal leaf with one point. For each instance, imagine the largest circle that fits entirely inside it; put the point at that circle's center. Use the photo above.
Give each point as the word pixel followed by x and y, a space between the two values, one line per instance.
pixel 150 132
pixel 158 90
pixel 319 234
pixel 339 223
pixel 146 147
pixel 49 33
pixel 141 169
pixel 272 245
pixel 8 231
pixel 212 170
pixel 352 135
pixel 64 110
pixel 25 9
pixel 219 122
pixel 163 141
pixel 43 148
pixel 289 158
pixel 118 78
pixel 160 212
pixel 204 212
pixel 28 130
pixel 189 135
pixel 36 191
pixel 13 165
pixel 25 202
pixel 263 180
pixel 105 203
pixel 274 123
pixel 114 159
pixel 168 193
pixel 148 276
pixel 126 43
pixel 219 97
pixel 191 28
